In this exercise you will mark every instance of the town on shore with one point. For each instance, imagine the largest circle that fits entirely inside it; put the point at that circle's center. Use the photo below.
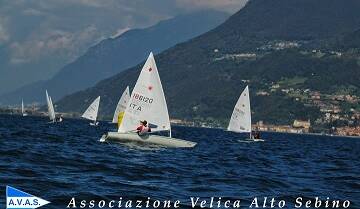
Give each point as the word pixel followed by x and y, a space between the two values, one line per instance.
pixel 298 127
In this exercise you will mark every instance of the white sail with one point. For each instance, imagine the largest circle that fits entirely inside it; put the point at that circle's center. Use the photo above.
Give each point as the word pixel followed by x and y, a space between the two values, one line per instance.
pixel 147 101
pixel 241 117
pixel 52 108
pixel 22 107
pixel 50 105
pixel 92 111
pixel 121 106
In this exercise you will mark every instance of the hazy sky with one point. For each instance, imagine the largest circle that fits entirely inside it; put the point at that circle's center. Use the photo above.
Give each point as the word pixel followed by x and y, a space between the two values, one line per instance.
pixel 51 33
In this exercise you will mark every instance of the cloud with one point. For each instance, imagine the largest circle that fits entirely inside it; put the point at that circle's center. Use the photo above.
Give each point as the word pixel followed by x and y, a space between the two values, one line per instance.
pixel 33 12
pixel 55 42
pixel 223 5
pixel 53 4
pixel 4 36
pixel 40 27
pixel 41 36
pixel 93 3
pixel 120 31
pixel 25 52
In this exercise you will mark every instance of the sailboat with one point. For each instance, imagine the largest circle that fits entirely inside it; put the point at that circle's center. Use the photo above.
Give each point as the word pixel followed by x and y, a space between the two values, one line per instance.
pixel 240 120
pixel 121 106
pixel 51 110
pixel 147 102
pixel 91 112
pixel 23 109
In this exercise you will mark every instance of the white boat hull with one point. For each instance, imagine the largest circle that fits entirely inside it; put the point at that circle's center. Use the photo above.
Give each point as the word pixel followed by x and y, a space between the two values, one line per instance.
pixel 256 140
pixel 148 139
pixel 94 124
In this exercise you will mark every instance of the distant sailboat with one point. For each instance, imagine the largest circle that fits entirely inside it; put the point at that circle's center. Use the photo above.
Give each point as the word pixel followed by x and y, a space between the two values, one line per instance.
pixel 51 110
pixel 91 112
pixel 23 109
pixel 121 106
pixel 240 120
pixel 147 102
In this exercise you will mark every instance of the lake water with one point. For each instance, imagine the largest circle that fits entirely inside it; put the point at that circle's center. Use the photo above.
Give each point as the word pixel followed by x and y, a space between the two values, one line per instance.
pixel 59 161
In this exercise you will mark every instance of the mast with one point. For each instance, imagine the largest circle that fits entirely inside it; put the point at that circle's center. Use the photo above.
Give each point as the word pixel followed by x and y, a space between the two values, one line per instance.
pixel 248 92
pixel 22 107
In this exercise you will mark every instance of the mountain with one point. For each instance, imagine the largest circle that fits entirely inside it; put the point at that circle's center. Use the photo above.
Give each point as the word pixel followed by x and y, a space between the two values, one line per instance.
pixel 349 40
pixel 113 55
pixel 283 49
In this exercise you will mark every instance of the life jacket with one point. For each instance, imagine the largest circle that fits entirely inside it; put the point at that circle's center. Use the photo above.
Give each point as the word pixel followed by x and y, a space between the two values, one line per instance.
pixel 143 129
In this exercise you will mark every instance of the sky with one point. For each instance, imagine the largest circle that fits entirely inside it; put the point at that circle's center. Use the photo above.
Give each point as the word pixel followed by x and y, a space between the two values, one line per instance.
pixel 38 37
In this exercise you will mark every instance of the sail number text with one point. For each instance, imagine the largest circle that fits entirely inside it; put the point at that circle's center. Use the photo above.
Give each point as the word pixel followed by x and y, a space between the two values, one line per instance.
pixel 143 98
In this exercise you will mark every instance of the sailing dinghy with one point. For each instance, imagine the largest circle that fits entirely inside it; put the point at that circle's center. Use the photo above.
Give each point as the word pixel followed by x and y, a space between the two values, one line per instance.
pixel 23 109
pixel 91 112
pixel 51 110
pixel 240 121
pixel 121 106
pixel 147 102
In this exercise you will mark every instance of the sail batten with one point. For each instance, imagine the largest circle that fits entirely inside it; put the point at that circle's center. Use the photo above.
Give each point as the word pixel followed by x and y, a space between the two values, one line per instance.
pixel 147 101
pixel 241 117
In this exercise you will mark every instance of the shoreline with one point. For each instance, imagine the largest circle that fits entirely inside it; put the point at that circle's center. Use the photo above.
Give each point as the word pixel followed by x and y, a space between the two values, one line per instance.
pixel 43 115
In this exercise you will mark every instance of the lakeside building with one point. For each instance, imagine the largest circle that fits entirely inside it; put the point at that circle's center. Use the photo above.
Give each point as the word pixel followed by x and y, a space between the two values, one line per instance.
pixel 348 131
pixel 302 124
pixel 262 93
pixel 182 122
pixel 297 127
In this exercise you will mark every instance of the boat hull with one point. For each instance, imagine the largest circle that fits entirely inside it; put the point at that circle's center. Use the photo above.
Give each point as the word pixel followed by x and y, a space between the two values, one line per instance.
pixel 256 140
pixel 148 139
pixel 94 124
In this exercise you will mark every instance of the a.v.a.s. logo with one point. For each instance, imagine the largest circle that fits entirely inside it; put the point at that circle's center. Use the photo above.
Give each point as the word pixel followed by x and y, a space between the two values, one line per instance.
pixel 16 199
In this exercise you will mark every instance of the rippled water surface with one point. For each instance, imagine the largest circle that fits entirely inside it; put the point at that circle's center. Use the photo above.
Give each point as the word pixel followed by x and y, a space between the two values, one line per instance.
pixel 60 161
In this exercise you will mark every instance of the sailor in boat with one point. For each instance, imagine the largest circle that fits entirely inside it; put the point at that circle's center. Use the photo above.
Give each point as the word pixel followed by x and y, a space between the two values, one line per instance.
pixel 256 135
pixel 60 118
pixel 143 129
